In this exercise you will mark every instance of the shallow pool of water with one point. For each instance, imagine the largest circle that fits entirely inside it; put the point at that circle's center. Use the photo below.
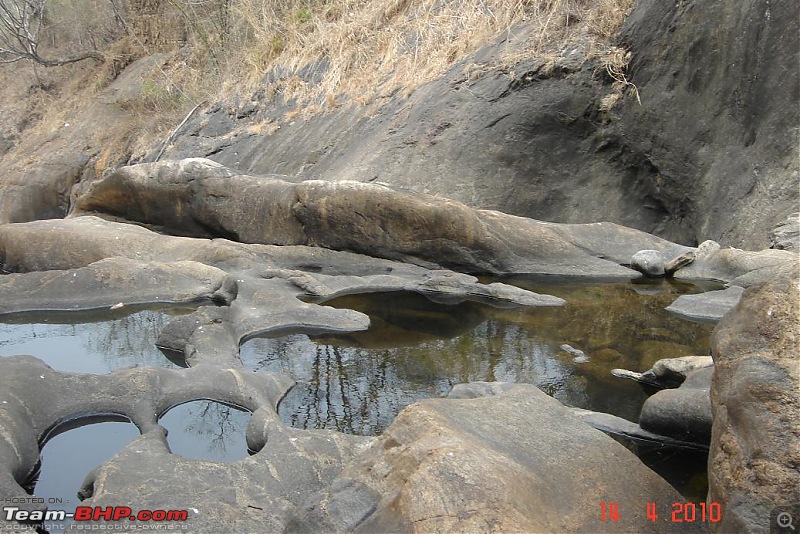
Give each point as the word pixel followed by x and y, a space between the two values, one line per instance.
pixel 356 383
pixel 207 430
pixel 88 342
pixel 202 430
pixel 417 348
pixel 70 455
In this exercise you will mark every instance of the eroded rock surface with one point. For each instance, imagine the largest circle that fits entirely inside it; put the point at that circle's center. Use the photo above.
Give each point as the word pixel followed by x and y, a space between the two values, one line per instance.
pixel 277 279
pixel 200 197
pixel 755 446
pixel 115 282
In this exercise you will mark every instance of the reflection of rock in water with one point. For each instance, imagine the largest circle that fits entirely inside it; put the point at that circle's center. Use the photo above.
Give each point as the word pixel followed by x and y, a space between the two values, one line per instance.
pixel 404 318
pixel 357 382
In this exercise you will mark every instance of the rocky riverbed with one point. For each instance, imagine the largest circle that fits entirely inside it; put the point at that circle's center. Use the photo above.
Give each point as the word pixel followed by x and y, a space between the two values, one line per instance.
pixel 247 223
pixel 262 258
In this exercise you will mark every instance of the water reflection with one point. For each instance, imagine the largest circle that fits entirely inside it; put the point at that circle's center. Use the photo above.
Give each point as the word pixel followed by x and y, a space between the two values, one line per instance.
pixel 97 342
pixel 69 456
pixel 207 430
pixel 417 349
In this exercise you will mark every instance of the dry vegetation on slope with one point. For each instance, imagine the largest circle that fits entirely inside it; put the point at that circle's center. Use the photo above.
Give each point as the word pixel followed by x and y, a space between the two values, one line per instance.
pixel 360 49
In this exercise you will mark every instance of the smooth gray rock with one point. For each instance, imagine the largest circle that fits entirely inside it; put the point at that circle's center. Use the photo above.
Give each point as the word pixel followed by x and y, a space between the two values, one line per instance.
pixel 649 262
pixel 114 282
pixel 683 413
pixel 667 373
pixel 708 306
pixel 678 369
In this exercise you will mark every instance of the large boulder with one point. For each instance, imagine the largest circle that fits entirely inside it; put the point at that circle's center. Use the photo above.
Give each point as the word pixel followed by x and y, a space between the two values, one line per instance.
pixel 493 457
pixel 755 452
pixel 683 413
pixel 202 198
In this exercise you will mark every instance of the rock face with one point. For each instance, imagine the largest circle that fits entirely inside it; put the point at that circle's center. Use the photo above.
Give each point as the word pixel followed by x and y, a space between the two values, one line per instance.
pixel 786 236
pixel 702 156
pixel 755 446
pixel 38 172
pixel 704 127
pixel 465 464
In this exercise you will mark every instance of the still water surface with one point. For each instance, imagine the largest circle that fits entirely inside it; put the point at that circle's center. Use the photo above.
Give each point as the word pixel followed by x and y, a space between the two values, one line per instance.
pixel 356 383
pixel 88 342
pixel 416 349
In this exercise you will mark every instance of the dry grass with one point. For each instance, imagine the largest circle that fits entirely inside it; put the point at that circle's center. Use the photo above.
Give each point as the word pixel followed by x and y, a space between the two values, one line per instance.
pixel 375 48
pixel 357 52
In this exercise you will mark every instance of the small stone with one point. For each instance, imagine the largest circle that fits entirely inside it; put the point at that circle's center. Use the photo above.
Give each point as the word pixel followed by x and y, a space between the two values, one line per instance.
pixel 648 262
